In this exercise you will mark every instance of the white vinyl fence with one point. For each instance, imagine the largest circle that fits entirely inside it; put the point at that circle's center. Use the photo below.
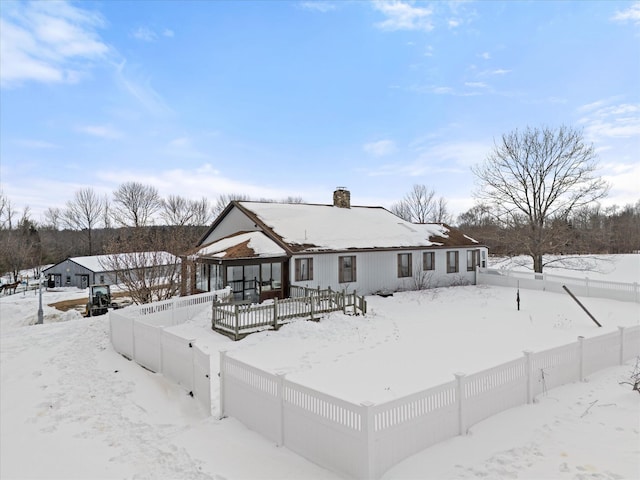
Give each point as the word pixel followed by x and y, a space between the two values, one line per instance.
pixel 363 441
pixel 585 287
pixel 139 333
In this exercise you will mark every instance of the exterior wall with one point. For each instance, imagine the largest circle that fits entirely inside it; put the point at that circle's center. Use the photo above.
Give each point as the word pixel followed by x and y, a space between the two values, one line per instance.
pixel 377 271
pixel 71 274
pixel 235 221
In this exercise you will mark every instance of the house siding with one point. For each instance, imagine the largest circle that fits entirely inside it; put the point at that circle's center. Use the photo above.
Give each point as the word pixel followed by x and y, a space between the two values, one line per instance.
pixel 74 272
pixel 235 221
pixel 378 270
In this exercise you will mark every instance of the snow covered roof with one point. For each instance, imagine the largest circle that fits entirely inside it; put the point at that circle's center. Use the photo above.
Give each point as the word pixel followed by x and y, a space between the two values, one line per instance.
pixel 99 263
pixel 307 227
pixel 243 245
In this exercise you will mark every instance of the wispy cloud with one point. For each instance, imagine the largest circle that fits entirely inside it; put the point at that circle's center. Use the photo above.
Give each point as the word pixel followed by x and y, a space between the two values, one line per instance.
pixel 631 14
pixel 146 34
pixel 497 71
pixel 48 42
pixel 614 128
pixel 194 183
pixel 602 120
pixel 453 23
pixel 403 16
pixel 140 88
pixel 102 131
pixel 318 6
pixel 380 148
pixel 35 144
pixel 184 147
pixel 485 55
pixel 436 157
pixel 476 85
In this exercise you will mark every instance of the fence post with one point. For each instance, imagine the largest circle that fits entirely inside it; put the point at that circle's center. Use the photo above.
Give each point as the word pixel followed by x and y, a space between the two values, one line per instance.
pixel 460 397
pixel 237 325
pixel 355 299
pixel 280 394
pixel 275 313
pixel 368 430
pixel 222 374
pixel 311 300
pixel 621 330
pixel 344 301
pixel 586 284
pixel 581 354
pixel 528 368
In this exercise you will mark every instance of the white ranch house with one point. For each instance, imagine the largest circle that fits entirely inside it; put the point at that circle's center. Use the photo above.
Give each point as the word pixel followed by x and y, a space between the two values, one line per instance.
pixel 261 249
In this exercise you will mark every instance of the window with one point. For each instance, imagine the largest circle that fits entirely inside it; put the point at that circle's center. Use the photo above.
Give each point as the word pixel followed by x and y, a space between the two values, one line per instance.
pixel 472 260
pixel 271 278
pixel 304 269
pixel 404 265
pixel 428 261
pixel 346 269
pixel 452 262
pixel 101 278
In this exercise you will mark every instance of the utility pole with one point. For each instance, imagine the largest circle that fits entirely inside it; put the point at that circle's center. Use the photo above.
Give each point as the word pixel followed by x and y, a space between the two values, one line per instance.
pixel 40 312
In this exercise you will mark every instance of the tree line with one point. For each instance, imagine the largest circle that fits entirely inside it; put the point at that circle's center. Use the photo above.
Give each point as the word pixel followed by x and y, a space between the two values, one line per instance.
pixel 538 194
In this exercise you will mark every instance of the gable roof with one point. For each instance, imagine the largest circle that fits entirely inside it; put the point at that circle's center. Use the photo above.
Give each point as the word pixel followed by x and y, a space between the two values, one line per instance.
pixel 97 263
pixel 301 227
pixel 242 245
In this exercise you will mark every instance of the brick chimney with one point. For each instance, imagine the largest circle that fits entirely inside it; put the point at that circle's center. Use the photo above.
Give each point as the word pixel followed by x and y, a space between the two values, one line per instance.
pixel 342 198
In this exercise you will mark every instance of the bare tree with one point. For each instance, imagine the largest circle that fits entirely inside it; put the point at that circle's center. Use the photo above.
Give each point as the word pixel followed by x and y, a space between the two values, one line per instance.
pixel 84 213
pixel 225 199
pixel 441 212
pixel 148 275
pixel 53 218
pixel 7 212
pixel 20 247
pixel 201 212
pixel 134 204
pixel 421 205
pixel 177 210
pixel 537 177
pixel 292 199
pixel 106 217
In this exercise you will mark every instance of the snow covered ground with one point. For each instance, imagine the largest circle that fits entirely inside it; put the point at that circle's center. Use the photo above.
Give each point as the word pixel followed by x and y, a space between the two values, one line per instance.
pixel 71 407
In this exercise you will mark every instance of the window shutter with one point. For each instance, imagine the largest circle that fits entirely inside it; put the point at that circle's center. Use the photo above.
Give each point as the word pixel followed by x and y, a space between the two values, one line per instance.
pixel 311 269
pixel 297 274
pixel 340 270
pixel 399 265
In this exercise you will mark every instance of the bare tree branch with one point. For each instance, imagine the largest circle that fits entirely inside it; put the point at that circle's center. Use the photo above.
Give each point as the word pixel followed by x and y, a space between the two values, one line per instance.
pixel 534 180
pixel 134 204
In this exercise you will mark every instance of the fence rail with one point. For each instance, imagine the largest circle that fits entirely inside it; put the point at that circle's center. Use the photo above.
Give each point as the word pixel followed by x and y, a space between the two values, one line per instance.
pixel 628 292
pixel 242 318
pixel 364 440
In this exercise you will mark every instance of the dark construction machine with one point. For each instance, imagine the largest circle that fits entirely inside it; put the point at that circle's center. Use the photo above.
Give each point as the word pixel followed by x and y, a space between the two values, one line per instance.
pixel 99 300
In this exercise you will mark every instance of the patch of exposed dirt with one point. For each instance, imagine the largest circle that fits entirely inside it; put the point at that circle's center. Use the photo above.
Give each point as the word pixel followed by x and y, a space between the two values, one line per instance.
pixel 81 303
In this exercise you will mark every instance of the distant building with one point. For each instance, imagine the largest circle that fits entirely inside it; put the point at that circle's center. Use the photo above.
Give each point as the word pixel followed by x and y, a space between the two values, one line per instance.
pixel 84 271
pixel 260 249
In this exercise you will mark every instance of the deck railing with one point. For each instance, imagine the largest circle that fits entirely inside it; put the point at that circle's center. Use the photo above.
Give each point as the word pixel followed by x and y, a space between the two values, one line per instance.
pixel 238 319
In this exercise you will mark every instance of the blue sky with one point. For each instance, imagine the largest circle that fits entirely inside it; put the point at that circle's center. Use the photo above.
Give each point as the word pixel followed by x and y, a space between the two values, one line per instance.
pixel 275 99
